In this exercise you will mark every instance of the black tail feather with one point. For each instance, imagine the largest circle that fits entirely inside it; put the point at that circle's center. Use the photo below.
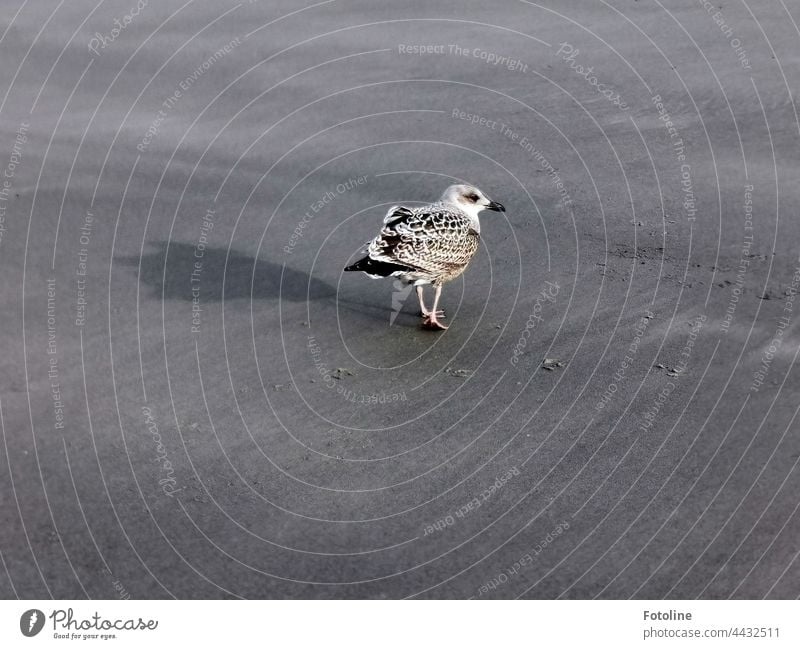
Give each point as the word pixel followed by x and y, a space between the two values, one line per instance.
pixel 377 268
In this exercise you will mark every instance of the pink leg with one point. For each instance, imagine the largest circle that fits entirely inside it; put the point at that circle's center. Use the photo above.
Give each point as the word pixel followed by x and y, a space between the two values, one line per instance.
pixel 423 311
pixel 432 319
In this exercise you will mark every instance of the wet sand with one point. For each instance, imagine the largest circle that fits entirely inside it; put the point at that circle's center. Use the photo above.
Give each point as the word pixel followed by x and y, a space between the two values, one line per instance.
pixel 198 403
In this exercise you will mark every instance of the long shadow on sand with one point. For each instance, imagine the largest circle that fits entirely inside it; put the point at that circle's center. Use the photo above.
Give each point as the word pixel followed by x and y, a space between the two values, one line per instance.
pixel 219 265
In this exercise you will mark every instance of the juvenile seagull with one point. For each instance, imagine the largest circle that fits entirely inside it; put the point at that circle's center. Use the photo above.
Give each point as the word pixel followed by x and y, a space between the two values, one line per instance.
pixel 431 244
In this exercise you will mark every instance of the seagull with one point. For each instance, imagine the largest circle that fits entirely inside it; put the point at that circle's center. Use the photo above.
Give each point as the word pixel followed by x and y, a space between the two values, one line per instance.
pixel 431 244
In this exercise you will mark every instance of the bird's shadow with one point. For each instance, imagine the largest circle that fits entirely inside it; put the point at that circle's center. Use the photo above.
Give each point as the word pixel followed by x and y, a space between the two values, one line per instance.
pixel 172 269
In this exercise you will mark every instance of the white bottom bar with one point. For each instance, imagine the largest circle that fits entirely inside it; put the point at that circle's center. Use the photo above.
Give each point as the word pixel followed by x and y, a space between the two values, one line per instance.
pixel 400 624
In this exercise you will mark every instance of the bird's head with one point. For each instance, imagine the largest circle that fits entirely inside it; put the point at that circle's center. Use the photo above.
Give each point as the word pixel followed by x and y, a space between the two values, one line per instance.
pixel 470 199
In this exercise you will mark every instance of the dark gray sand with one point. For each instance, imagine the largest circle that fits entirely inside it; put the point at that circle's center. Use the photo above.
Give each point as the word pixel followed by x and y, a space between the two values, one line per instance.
pixel 198 403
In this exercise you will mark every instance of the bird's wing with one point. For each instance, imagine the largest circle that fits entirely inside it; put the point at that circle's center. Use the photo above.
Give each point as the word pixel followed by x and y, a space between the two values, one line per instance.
pixel 432 238
pixel 397 212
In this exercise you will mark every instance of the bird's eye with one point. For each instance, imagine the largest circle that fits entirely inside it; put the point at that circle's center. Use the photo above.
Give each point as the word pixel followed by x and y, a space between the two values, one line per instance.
pixel 473 198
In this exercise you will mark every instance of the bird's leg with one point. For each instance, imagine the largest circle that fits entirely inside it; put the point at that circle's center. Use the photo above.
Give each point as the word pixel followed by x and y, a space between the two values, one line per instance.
pixel 423 311
pixel 432 319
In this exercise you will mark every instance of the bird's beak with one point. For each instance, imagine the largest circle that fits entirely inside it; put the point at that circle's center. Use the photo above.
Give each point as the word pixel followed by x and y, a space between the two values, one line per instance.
pixel 496 207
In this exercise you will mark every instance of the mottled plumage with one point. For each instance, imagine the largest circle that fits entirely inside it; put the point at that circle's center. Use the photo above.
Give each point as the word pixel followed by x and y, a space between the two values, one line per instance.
pixel 428 245
pixel 434 242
